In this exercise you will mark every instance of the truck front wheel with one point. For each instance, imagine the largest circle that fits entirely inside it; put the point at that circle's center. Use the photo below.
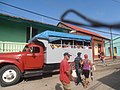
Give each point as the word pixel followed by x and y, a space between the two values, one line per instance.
pixel 9 75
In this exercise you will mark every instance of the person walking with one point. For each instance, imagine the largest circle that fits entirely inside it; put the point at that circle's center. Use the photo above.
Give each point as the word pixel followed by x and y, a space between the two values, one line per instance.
pixel 78 68
pixel 86 69
pixel 102 58
pixel 65 72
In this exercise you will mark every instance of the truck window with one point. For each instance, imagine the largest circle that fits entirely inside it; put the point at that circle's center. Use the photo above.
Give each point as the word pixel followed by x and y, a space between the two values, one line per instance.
pixel 34 49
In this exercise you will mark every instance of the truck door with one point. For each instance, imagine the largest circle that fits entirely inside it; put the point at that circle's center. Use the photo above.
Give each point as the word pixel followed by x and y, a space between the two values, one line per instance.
pixel 34 58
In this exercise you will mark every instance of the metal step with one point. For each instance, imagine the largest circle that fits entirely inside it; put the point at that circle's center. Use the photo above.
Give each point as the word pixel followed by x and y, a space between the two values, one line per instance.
pixel 32 73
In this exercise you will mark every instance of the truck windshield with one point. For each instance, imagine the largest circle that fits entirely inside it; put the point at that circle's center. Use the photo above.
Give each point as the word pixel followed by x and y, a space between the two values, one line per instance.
pixel 25 48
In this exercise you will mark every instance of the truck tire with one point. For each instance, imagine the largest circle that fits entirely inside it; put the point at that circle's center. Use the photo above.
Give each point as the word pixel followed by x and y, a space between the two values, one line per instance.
pixel 9 75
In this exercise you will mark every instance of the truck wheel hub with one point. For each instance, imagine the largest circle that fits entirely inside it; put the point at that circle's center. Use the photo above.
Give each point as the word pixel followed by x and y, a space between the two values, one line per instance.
pixel 9 75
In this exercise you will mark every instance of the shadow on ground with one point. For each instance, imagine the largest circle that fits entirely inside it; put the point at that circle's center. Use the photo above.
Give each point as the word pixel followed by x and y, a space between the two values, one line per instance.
pixel 32 78
pixel 58 86
pixel 112 81
pixel 45 75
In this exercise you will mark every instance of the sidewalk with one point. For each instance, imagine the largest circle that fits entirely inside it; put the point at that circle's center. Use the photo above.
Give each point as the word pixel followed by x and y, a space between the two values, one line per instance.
pixel 109 62
pixel 105 77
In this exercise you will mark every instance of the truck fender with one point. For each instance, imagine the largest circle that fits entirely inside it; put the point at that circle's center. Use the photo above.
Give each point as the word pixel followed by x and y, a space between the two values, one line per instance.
pixel 12 62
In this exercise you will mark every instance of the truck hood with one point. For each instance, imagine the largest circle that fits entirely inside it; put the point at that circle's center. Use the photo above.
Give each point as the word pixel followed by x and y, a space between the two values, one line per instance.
pixel 13 55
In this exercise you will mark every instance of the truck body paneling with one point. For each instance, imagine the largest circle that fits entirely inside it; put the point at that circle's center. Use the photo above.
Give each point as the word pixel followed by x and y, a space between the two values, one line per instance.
pixel 56 55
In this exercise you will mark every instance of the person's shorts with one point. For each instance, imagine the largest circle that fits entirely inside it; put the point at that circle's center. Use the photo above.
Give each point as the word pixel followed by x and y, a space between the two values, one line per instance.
pixel 66 86
pixel 86 73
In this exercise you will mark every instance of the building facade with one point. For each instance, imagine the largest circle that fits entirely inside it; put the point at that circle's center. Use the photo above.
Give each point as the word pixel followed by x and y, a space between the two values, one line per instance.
pixel 115 48
pixel 16 31
pixel 97 42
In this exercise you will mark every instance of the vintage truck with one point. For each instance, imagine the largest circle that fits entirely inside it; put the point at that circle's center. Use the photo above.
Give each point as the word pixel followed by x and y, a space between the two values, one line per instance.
pixel 42 54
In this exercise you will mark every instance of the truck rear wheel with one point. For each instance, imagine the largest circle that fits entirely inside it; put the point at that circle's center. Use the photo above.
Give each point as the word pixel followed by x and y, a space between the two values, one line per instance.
pixel 9 75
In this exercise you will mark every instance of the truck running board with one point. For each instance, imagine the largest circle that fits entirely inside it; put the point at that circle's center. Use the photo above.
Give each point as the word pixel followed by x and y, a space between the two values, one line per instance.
pixel 32 73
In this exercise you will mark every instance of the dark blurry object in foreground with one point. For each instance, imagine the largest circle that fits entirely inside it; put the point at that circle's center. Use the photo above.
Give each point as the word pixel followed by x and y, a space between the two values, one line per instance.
pixel 93 23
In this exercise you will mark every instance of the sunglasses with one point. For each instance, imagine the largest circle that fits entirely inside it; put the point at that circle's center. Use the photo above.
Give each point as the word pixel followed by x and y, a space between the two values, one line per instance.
pixel 68 56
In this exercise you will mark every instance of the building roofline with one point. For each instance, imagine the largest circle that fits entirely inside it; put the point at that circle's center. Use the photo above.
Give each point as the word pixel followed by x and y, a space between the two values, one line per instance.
pixel 26 20
pixel 116 38
pixel 93 33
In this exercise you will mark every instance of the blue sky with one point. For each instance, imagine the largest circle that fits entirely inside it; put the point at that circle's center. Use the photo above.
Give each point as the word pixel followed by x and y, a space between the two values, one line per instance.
pixel 101 10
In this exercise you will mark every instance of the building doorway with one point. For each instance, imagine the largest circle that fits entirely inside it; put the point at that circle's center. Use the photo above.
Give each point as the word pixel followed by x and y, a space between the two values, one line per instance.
pixel 99 50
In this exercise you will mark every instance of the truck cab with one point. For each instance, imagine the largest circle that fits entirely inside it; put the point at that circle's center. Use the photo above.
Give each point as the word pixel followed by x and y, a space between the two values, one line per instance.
pixel 34 56
pixel 15 65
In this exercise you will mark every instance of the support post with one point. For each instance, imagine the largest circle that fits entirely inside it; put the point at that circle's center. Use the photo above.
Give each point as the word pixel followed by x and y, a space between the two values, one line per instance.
pixel 30 32
pixel 112 50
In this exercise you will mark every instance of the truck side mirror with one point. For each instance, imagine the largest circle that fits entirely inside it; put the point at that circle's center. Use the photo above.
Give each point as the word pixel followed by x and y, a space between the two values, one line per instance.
pixel 34 49
pixel 31 50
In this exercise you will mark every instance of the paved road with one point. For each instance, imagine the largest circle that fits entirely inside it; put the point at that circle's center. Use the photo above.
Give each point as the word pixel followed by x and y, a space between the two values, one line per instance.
pixel 104 79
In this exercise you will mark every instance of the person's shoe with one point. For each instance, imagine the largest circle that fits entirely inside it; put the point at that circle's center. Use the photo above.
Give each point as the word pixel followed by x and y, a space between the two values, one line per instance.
pixel 92 78
pixel 87 83
pixel 76 84
pixel 84 85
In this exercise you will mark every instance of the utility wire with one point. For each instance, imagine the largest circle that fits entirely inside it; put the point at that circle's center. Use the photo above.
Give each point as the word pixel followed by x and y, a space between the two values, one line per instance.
pixel 30 11
pixel 11 13
pixel 51 17
pixel 80 26
pixel 116 1
pixel 100 31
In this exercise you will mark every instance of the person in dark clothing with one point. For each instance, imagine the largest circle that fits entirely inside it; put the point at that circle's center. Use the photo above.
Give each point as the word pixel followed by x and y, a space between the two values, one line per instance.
pixel 78 66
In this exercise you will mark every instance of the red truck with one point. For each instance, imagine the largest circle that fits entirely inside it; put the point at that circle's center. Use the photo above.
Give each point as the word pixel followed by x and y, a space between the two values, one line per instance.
pixel 43 54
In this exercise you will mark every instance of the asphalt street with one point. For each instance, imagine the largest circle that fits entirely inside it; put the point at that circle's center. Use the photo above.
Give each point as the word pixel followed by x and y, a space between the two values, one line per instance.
pixel 105 78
